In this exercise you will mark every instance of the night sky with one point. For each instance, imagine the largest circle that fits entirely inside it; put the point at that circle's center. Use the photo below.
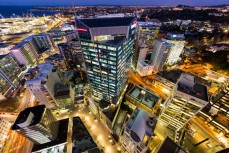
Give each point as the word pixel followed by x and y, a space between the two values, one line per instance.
pixel 114 2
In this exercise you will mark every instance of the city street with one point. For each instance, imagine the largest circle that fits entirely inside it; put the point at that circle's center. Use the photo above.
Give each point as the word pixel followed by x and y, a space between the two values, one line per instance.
pixel 98 130
pixel 135 78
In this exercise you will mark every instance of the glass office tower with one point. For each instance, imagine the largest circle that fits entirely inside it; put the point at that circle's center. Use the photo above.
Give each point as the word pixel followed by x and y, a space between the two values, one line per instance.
pixel 107 45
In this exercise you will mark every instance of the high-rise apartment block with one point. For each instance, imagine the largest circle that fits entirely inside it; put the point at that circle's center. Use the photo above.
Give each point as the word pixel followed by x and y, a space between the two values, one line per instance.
pixel 37 124
pixel 177 41
pixel 144 67
pixel 9 75
pixel 146 34
pixel 28 50
pixel 138 132
pixel 107 45
pixel 160 54
pixel 25 53
pixel 41 82
pixel 44 43
pixel 185 101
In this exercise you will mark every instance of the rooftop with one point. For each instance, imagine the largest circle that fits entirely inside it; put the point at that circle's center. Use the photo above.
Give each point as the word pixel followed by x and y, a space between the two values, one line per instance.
pixel 107 22
pixel 171 75
pixel 61 137
pixel 169 146
pixel 27 119
pixel 144 96
pixel 141 123
pixel 82 140
pixel 188 85
pixel 43 71
pixel 22 43
pixel 54 57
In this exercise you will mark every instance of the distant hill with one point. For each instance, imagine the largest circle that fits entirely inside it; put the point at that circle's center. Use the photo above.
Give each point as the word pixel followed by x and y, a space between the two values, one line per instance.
pixel 184 6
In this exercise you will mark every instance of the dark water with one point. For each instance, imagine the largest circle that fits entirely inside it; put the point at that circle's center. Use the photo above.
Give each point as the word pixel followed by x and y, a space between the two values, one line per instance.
pixel 8 11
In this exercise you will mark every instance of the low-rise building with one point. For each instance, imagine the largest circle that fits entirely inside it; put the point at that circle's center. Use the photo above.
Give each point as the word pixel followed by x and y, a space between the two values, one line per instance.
pixel 143 99
pixel 138 132
pixel 144 68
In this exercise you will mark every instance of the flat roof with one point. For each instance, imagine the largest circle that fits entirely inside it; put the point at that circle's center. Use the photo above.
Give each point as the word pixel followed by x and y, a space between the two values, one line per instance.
pixel 81 138
pixel 55 57
pixel 144 96
pixel 107 22
pixel 171 75
pixel 169 146
pixel 61 137
pixel 190 87
pixel 22 117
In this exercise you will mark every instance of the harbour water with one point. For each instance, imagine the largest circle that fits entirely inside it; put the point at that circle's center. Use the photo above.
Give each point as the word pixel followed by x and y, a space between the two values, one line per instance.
pixel 8 11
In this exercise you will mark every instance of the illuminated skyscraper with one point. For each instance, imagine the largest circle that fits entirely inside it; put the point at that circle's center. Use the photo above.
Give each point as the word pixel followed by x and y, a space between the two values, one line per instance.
pixel 37 124
pixel 177 41
pixel 107 45
pixel 160 54
pixel 9 75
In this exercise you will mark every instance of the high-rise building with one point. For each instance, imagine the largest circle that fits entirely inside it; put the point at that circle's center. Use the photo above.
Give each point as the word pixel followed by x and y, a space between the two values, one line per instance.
pixel 43 42
pixel 144 67
pixel 25 53
pixel 185 101
pixel 42 84
pixel 177 41
pixel 107 45
pixel 143 52
pixel 9 75
pixel 160 54
pixel 37 124
pixel 28 50
pixel 138 132
pixel 146 34
pixel 4 130
pixel 72 53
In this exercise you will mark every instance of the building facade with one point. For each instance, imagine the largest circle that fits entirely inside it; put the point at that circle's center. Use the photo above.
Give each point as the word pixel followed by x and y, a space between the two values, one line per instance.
pixel 4 130
pixel 177 41
pixel 146 34
pixel 107 45
pixel 42 85
pixel 9 75
pixel 160 55
pixel 185 101
pixel 37 124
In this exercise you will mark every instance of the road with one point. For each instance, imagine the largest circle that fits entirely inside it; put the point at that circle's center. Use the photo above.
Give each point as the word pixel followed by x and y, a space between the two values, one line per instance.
pixel 135 78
